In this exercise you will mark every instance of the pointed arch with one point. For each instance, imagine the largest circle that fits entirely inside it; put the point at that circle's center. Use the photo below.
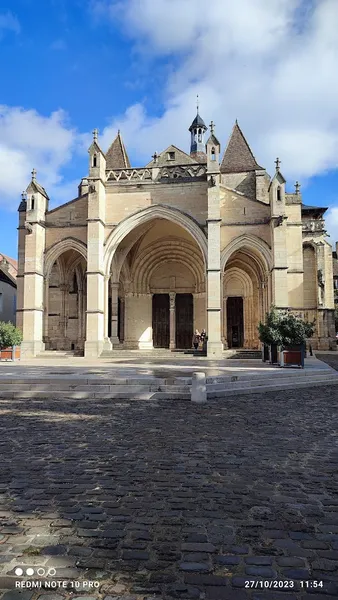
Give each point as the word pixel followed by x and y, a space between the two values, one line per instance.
pixel 53 252
pixel 156 211
pixel 251 245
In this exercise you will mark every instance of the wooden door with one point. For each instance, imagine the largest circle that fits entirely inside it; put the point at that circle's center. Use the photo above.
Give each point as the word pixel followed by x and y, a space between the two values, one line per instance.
pixel 235 325
pixel 184 320
pixel 161 320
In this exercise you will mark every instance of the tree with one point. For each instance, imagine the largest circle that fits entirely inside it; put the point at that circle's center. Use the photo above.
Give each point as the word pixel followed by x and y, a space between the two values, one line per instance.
pixel 9 335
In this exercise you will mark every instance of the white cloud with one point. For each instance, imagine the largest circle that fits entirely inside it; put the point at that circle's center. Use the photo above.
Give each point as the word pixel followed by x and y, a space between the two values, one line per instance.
pixel 29 140
pixel 270 64
pixel 9 22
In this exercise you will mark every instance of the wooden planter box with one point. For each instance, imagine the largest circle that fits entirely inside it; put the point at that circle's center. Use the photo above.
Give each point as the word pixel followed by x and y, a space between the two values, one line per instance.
pixel 12 353
pixel 293 356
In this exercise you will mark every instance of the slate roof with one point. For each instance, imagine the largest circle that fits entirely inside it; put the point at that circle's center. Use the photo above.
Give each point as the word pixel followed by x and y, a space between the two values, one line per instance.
pixel 238 157
pixel 197 122
pixel 116 156
pixel 12 266
pixel 319 210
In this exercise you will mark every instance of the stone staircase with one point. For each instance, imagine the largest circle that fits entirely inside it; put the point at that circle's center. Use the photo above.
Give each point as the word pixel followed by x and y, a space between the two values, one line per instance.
pixel 243 354
pixel 145 387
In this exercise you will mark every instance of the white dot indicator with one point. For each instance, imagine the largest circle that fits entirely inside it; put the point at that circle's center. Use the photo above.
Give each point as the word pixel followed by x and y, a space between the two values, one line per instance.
pixel 18 571
pixel 30 571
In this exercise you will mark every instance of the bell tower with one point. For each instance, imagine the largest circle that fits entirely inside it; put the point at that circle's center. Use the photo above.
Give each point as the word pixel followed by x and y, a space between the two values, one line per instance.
pixel 197 144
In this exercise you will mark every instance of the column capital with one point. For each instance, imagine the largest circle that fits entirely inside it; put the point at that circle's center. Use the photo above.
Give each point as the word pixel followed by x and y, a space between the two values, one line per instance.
pixel 172 298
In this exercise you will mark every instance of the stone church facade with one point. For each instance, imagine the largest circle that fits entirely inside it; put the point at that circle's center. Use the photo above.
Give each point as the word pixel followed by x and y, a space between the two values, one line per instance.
pixel 143 256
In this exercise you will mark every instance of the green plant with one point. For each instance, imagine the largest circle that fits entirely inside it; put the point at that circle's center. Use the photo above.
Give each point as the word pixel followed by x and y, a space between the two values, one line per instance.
pixel 295 331
pixel 9 335
pixel 269 331
pixel 284 329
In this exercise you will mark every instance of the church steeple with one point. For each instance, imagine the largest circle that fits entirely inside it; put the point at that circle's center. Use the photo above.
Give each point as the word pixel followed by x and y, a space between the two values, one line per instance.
pixel 197 130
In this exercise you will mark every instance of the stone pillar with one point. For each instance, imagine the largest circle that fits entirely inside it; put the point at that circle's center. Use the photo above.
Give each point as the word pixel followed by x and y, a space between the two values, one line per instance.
pixel 46 310
pixel 32 322
pixel 107 346
pixel 114 286
pixel 215 346
pixel 172 320
pixel 97 286
pixel 64 287
pixel 122 319
pixel 79 315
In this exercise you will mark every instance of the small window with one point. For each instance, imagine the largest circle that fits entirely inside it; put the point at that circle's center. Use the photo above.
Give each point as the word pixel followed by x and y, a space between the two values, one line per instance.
pixel 95 160
pixel 336 284
pixel 32 203
pixel 213 154
pixel 279 194
pixel 171 155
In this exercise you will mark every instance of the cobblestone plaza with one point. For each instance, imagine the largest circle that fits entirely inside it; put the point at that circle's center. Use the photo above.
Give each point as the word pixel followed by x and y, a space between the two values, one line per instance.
pixel 172 500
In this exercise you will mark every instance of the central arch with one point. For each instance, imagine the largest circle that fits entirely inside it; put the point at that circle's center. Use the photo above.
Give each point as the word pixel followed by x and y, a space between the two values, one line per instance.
pixel 157 211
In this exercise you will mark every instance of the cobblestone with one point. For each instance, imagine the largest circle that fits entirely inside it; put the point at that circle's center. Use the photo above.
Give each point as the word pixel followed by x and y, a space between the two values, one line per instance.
pixel 170 500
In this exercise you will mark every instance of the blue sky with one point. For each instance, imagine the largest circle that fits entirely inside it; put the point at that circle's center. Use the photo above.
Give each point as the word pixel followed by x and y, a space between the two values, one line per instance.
pixel 68 66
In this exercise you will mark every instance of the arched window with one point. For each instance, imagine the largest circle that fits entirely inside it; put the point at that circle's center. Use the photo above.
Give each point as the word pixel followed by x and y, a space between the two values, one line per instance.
pixel 94 160
pixel 279 194
pixel 200 135
pixel 32 203
pixel 213 154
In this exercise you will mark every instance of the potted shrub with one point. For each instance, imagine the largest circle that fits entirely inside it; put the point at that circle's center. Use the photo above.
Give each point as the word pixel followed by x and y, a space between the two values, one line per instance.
pixel 269 336
pixel 10 340
pixel 294 333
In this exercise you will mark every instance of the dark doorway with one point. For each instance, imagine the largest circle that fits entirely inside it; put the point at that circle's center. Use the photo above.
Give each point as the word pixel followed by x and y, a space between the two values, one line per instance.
pixel 235 329
pixel 184 320
pixel 161 320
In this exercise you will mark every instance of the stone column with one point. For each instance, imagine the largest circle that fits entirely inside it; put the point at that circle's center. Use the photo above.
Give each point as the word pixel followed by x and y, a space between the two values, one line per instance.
pixel 64 287
pixel 96 283
pixel 114 286
pixel 46 310
pixel 122 319
pixel 33 296
pixel 172 320
pixel 107 343
pixel 215 346
pixel 79 315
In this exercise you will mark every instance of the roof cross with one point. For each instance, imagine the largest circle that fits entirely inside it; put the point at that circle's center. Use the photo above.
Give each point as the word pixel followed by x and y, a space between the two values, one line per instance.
pixel 212 127
pixel 155 157
pixel 297 187
pixel 95 134
pixel 277 163
pixel 33 175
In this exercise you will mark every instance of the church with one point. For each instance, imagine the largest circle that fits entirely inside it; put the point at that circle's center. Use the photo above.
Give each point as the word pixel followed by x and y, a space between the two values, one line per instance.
pixel 144 256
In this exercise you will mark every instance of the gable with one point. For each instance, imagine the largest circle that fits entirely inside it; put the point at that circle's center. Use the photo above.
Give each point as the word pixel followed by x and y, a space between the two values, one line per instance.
pixel 164 159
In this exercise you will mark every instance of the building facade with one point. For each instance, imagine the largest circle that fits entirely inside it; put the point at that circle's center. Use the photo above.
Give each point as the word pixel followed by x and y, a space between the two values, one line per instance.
pixel 8 273
pixel 143 256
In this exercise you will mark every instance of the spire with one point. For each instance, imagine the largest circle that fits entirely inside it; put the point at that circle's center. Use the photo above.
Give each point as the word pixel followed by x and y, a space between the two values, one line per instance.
pixel 238 156
pixel 197 130
pixel 117 157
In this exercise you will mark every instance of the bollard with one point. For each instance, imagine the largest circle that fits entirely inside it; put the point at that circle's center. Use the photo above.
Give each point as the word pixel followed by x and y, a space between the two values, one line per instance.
pixel 198 388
